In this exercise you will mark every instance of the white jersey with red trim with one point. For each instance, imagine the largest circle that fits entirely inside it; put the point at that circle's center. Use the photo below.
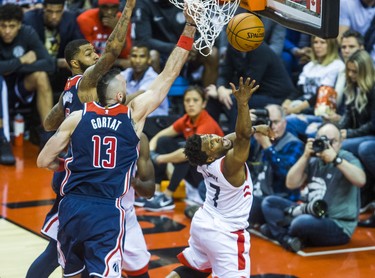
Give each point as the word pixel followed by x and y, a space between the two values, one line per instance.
pixel 231 205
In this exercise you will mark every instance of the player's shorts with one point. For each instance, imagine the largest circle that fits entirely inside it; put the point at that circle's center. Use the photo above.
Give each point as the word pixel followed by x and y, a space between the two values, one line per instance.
pixel 136 257
pixel 57 180
pixel 51 222
pixel 91 234
pixel 211 247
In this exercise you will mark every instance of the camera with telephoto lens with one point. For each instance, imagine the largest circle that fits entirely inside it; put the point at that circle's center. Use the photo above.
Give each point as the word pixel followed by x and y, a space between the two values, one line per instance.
pixel 320 144
pixel 317 208
pixel 262 117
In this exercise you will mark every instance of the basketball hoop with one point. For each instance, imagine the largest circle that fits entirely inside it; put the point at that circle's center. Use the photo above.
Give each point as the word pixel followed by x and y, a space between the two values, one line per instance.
pixel 210 16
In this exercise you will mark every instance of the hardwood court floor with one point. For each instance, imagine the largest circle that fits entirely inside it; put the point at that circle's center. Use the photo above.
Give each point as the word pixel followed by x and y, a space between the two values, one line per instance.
pixel 26 197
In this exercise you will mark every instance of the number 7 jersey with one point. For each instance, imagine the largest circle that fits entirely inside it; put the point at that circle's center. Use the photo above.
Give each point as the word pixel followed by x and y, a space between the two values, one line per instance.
pixel 103 152
pixel 231 205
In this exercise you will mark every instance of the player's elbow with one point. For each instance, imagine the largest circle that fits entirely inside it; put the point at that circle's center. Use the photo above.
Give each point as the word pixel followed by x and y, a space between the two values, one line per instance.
pixel 48 127
pixel 360 180
pixel 41 162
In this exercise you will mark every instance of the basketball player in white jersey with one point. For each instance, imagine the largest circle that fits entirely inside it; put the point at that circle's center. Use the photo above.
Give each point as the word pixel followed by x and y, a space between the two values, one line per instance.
pixel 219 242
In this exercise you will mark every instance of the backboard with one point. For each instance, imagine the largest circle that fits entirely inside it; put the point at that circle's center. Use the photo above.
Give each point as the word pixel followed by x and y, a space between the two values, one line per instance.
pixel 316 17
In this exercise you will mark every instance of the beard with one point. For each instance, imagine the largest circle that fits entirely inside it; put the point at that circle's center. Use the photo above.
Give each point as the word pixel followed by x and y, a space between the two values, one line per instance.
pixel 83 66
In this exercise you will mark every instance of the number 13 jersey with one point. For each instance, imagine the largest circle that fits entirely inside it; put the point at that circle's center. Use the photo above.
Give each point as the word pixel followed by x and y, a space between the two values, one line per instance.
pixel 103 146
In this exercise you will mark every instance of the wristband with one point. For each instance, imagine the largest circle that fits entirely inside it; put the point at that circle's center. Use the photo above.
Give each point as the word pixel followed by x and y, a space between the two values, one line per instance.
pixel 185 43
pixel 61 165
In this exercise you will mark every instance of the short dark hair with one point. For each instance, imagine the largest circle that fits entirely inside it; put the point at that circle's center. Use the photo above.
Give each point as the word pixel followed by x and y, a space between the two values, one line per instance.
pixel 72 48
pixel 355 34
pixel 193 150
pixel 198 89
pixel 11 12
pixel 103 82
pixel 140 45
pixel 53 2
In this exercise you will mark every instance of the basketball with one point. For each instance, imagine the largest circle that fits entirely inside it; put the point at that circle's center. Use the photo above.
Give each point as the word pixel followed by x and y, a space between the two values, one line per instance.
pixel 245 32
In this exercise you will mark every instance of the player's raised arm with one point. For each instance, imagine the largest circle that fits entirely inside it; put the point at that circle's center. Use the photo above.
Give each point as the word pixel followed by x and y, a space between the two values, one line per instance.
pixel 144 104
pixel 236 157
pixel 114 46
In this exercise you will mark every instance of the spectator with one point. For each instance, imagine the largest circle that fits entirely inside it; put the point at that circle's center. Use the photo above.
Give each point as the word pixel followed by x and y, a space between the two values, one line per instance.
pixel 321 71
pixel 24 63
pixel 333 177
pixel 96 25
pixel 264 66
pixel 140 74
pixel 27 5
pixel 167 147
pixel 6 153
pixel 157 24
pixel 357 15
pixel 357 122
pixel 274 35
pixel 296 52
pixel 55 28
pixel 366 153
pixel 351 41
pixel 276 159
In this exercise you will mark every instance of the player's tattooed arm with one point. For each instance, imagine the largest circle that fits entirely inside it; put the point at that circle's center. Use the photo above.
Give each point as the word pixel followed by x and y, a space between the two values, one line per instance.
pixel 114 46
pixel 55 116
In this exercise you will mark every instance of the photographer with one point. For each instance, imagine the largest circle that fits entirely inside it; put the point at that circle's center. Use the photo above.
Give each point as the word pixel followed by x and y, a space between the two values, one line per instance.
pixel 270 161
pixel 330 170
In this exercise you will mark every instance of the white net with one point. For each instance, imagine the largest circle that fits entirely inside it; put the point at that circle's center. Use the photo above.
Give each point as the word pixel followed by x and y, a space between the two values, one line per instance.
pixel 210 16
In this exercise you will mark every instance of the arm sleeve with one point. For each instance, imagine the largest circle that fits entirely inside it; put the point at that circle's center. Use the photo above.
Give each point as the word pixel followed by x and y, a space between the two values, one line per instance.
pixel 368 128
pixel 178 125
pixel 344 18
pixel 9 66
pixel 44 61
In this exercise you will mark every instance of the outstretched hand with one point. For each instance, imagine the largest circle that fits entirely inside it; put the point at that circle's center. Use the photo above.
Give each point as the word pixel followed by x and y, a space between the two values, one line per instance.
pixel 245 90
pixel 265 130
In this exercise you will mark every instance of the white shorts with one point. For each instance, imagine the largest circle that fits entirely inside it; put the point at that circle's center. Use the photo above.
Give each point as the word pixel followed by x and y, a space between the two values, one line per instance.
pixel 136 256
pixel 211 247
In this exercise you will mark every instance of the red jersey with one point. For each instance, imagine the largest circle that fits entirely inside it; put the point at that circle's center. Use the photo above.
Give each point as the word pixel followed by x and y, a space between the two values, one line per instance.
pixel 205 124
pixel 93 31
